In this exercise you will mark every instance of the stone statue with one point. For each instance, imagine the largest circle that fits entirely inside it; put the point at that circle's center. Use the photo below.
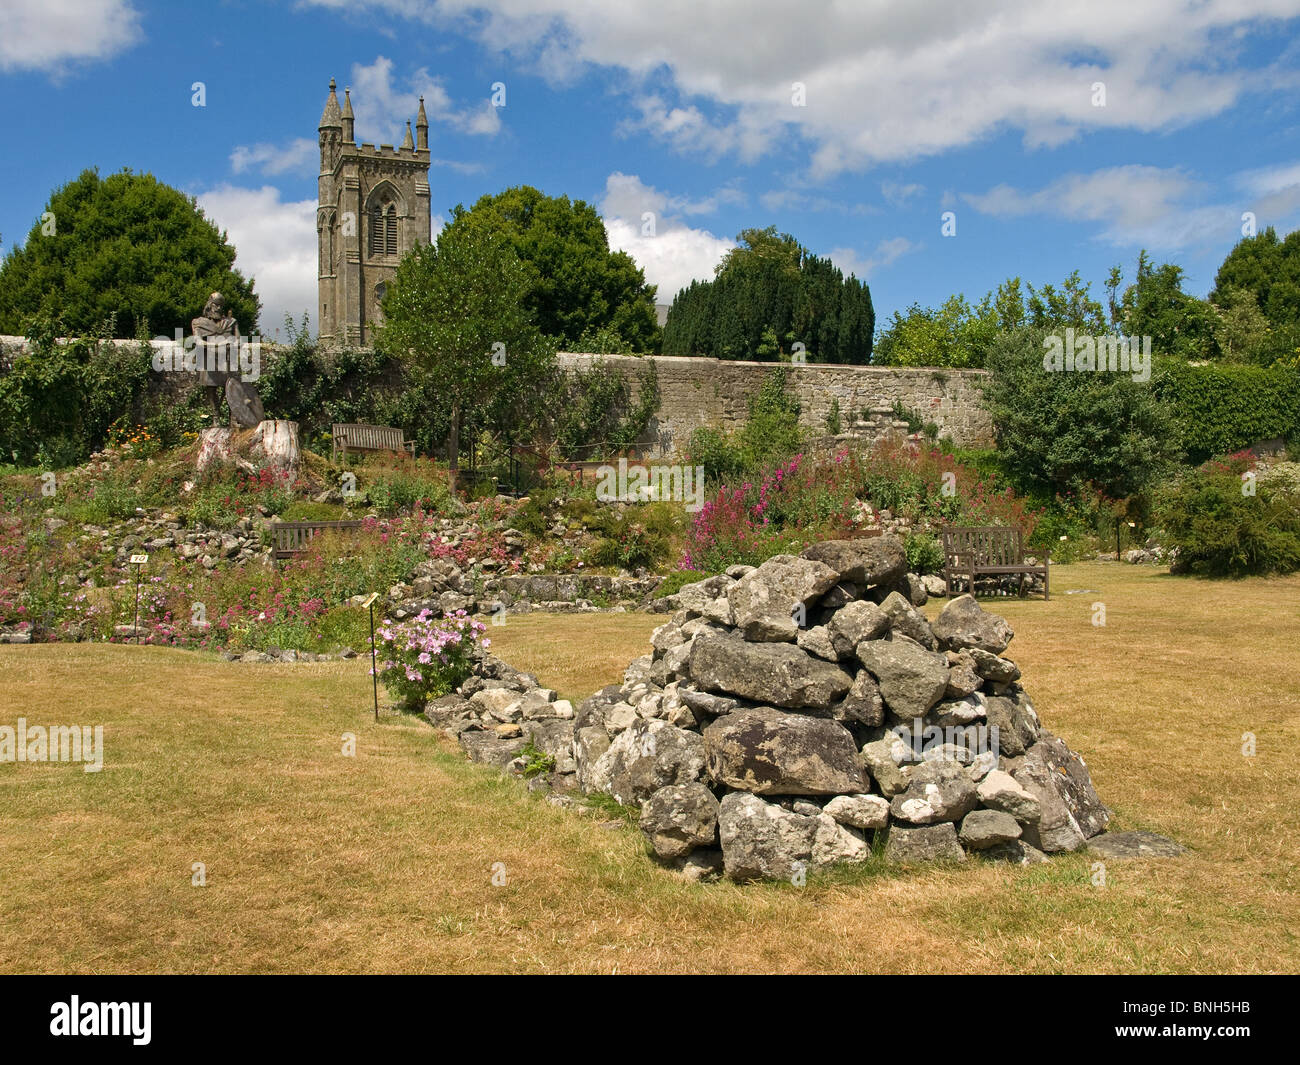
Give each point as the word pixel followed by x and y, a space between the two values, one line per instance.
pixel 217 334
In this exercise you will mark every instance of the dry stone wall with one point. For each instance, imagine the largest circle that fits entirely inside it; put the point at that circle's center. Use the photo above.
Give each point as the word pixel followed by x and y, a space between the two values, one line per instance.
pixel 697 392
pixel 712 392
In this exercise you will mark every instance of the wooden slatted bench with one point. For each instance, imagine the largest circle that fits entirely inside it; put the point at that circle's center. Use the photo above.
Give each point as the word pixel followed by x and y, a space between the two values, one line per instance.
pixel 350 437
pixel 291 537
pixel 998 551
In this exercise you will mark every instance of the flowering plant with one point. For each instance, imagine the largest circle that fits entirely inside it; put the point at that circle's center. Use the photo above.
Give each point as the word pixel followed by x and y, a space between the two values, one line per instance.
pixel 427 657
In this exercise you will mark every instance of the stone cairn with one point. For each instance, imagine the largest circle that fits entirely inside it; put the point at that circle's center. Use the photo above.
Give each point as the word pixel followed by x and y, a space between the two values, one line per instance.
pixel 792 715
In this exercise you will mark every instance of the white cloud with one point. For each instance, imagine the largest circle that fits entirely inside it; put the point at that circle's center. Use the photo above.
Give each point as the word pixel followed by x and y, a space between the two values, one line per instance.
pixel 865 268
pixel 1136 206
pixel 299 156
pixel 885 81
pixel 897 194
pixel 382 108
pixel 275 243
pixel 671 253
pixel 49 35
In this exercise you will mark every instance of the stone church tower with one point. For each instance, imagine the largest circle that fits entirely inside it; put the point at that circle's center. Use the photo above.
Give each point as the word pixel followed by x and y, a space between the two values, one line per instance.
pixel 372 207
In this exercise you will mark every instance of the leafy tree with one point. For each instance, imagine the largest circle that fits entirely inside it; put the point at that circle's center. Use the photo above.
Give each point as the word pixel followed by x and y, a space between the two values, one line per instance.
pixel 1155 305
pixel 1065 431
pixel 768 294
pixel 1069 307
pixel 126 250
pixel 1270 269
pixel 576 286
pixel 1243 332
pixel 457 315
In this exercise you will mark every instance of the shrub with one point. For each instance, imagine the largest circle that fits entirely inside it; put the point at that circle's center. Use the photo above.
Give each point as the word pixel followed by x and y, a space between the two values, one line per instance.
pixel 426 657
pixel 1220 530
pixel 1065 431
pixel 1220 408
pixel 596 413
pixel 924 553
pixel 771 433
pixel 834 423
pixel 714 450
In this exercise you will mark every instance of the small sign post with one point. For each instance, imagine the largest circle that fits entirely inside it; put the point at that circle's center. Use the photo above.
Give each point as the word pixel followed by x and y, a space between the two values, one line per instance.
pixel 374 673
pixel 139 562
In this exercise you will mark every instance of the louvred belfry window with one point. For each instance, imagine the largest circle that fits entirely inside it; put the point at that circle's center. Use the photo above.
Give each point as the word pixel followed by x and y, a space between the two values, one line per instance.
pixel 383 229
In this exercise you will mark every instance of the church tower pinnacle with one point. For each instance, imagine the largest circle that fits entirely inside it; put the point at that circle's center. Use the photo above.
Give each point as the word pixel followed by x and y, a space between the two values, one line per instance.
pixel 372 209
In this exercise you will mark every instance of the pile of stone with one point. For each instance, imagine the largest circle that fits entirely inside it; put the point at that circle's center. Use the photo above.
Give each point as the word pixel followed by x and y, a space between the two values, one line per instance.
pixel 794 714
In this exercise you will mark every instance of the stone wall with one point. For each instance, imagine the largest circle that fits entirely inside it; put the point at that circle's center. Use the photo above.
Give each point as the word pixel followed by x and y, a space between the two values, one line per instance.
pixel 698 392
pixel 711 392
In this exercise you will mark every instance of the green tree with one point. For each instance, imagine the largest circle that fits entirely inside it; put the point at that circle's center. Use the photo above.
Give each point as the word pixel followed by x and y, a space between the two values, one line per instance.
pixel 1065 431
pixel 1243 332
pixel 126 250
pixel 1269 269
pixel 457 315
pixel 577 287
pixel 1178 324
pixel 768 295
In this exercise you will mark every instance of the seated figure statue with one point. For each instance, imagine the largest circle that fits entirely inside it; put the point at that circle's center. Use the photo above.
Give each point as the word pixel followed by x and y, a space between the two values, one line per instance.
pixel 217 336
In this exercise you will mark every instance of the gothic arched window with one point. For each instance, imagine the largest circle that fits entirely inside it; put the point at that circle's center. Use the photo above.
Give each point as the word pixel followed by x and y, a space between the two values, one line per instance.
pixel 383 228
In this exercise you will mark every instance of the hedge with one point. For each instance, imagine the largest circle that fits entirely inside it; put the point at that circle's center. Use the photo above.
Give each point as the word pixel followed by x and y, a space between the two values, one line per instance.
pixel 1222 408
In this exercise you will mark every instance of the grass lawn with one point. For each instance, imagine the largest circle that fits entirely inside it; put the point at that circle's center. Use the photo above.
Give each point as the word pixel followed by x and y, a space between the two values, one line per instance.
pixel 384 861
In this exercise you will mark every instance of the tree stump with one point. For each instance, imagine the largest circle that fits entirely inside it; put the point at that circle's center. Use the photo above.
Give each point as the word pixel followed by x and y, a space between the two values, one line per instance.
pixel 214 448
pixel 273 444
pixel 276 442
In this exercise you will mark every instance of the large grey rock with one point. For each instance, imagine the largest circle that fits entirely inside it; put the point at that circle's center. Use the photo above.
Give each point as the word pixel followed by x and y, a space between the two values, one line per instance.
pixel 911 678
pixel 878 560
pixel 1073 783
pixel 863 704
pixel 834 843
pixel 925 843
pixel 817 641
pixel 706 702
pixel 1015 851
pixel 982 829
pixel 554 736
pixel 1056 830
pixel 963 680
pixel 772 753
pixel 963 623
pixel 490 749
pixel 991 667
pixel 678 818
pixel 1000 791
pixel 778 674
pixel 906 619
pixel 1120 846
pixel 646 757
pixel 938 790
pixel 708 598
pixel 859 811
pixel 1001 715
pixel 589 743
pixel 854 623
pixel 760 840
pixel 765 600
pixel 886 770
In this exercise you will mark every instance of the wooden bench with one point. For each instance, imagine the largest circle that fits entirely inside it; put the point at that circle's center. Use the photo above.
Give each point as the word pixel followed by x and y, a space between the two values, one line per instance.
pixel 368 438
pixel 997 551
pixel 291 537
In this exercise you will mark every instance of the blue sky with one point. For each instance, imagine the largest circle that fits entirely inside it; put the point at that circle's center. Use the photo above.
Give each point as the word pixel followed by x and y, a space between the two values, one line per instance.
pixel 689 110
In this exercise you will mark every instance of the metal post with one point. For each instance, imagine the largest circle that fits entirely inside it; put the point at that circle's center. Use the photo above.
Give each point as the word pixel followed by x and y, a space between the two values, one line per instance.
pixel 374 673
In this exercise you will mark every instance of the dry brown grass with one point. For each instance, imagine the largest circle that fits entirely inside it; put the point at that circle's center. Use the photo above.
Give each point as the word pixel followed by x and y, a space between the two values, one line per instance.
pixel 383 862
